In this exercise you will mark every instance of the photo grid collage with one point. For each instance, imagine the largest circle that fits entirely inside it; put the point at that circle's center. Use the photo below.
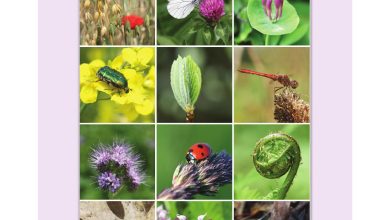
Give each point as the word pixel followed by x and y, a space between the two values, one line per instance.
pixel 195 109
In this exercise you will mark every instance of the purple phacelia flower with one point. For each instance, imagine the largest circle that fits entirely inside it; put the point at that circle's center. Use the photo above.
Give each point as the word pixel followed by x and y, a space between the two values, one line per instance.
pixel 135 176
pixel 267 5
pixel 117 164
pixel 212 10
pixel 120 153
pixel 109 181
pixel 100 157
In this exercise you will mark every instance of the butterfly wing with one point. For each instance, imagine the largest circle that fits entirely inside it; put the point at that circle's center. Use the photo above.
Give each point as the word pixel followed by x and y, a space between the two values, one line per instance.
pixel 181 8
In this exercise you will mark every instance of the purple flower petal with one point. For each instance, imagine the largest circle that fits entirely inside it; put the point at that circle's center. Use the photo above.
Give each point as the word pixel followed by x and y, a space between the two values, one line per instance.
pixel 100 157
pixel 109 181
pixel 212 10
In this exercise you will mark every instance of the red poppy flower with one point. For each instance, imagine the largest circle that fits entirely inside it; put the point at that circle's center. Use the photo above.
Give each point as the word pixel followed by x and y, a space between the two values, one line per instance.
pixel 133 21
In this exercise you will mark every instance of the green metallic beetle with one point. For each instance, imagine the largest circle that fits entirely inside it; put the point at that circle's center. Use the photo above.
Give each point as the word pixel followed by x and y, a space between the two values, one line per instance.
pixel 113 78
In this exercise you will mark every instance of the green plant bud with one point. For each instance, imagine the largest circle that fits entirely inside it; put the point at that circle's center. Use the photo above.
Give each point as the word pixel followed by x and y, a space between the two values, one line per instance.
pixel 186 82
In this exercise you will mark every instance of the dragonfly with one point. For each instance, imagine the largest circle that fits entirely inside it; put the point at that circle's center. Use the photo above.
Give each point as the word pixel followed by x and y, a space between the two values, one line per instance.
pixel 281 78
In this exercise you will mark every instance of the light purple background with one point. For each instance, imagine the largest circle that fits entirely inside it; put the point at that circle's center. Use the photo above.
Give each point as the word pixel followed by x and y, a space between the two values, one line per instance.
pixel 59 105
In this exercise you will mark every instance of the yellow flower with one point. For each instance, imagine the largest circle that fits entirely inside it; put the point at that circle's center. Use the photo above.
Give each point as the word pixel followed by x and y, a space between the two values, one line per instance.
pixel 138 58
pixel 137 66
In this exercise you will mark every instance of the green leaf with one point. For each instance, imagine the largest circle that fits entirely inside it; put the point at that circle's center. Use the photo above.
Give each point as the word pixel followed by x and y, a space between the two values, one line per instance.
pixel 206 35
pixel 303 10
pixel 245 27
pixel 186 82
pixel 165 40
pixel 259 20
pixel 256 38
pixel 220 33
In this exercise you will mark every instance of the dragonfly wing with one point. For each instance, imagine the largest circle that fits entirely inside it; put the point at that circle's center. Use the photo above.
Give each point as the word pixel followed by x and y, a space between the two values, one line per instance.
pixel 180 9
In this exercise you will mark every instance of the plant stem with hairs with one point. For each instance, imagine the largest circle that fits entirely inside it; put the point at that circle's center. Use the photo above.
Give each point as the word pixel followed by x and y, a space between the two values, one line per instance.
pixel 275 155
pixel 205 177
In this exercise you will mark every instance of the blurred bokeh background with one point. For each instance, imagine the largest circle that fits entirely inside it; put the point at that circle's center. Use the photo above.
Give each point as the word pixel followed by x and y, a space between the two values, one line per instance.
pixel 215 100
pixel 193 209
pixel 248 183
pixel 107 111
pixel 173 142
pixel 141 137
pixel 254 95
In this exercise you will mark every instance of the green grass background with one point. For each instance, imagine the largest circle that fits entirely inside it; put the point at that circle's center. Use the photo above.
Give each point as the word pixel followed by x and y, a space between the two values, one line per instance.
pixel 173 142
pixel 248 183
pixel 140 136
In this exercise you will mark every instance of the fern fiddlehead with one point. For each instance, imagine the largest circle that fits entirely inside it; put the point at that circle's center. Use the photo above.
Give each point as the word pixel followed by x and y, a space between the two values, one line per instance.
pixel 273 156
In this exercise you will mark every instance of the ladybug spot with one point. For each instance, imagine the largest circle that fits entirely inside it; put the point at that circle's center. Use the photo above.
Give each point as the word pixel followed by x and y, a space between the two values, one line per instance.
pixel 202 154
pixel 200 146
pixel 190 150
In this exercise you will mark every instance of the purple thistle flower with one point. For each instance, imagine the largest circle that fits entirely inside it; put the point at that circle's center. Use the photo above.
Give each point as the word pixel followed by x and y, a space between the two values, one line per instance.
pixel 267 5
pixel 109 181
pixel 204 178
pixel 212 10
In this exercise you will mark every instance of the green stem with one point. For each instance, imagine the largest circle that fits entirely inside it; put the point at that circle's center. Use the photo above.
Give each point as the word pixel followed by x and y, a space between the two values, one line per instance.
pixel 289 179
pixel 82 108
pixel 266 39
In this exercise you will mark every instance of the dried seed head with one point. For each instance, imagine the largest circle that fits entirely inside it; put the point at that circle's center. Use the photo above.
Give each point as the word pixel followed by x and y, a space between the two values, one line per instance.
pixel 289 107
pixel 88 16
pixel 96 16
pixel 116 8
pixel 100 5
pixel 104 30
pixel 87 3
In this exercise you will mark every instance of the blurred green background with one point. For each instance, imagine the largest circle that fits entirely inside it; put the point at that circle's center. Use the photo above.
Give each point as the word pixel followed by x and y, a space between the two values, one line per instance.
pixel 106 110
pixel 254 95
pixel 214 210
pixel 191 30
pixel 141 137
pixel 244 34
pixel 215 100
pixel 248 183
pixel 173 142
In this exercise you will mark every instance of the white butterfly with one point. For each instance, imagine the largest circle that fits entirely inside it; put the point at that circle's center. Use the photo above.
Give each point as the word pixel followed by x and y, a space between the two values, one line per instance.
pixel 181 8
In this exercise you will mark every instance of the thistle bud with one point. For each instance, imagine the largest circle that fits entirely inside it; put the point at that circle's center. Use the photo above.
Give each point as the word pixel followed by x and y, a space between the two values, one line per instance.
pixel 267 6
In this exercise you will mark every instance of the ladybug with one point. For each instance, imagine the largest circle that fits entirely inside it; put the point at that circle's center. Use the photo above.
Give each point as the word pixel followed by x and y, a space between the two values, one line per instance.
pixel 198 152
